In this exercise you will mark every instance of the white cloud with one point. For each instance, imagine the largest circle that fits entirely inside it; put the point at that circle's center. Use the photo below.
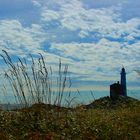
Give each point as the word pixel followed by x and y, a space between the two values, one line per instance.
pixel 67 20
pixel 99 22
pixel 96 23
pixel 19 40
pixel 36 3
pixel 50 15
pixel 88 57
pixel 100 58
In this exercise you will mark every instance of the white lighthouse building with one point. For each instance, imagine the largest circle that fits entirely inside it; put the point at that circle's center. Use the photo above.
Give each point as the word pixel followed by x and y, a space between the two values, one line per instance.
pixel 123 82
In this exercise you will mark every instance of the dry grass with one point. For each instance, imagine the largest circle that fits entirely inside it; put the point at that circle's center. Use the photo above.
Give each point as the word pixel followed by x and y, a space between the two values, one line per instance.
pixel 33 82
pixel 44 123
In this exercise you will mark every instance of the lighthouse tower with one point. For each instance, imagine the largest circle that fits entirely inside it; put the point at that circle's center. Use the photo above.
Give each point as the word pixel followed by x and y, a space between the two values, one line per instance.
pixel 123 82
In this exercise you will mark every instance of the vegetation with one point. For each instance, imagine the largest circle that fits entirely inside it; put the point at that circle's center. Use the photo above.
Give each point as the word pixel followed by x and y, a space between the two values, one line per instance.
pixel 34 82
pixel 42 118
pixel 43 122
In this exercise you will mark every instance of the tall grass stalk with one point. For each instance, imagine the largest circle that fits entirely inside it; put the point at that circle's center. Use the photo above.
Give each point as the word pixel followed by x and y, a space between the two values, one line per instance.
pixel 33 82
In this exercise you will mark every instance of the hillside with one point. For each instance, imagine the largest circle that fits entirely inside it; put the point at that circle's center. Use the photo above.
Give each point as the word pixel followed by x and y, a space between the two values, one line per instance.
pixel 103 119
pixel 108 103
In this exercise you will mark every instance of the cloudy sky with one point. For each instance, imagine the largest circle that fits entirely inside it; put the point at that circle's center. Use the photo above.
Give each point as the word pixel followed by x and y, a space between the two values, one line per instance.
pixel 94 37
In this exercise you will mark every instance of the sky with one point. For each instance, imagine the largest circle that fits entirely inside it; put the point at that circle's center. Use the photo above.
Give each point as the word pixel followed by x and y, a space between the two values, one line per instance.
pixel 94 37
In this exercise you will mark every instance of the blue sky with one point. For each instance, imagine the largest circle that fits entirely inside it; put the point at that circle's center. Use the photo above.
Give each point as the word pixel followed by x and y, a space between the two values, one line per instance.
pixel 94 37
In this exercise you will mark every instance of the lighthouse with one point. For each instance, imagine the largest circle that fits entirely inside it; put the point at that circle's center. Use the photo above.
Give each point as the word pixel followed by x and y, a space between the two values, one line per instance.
pixel 119 88
pixel 123 82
